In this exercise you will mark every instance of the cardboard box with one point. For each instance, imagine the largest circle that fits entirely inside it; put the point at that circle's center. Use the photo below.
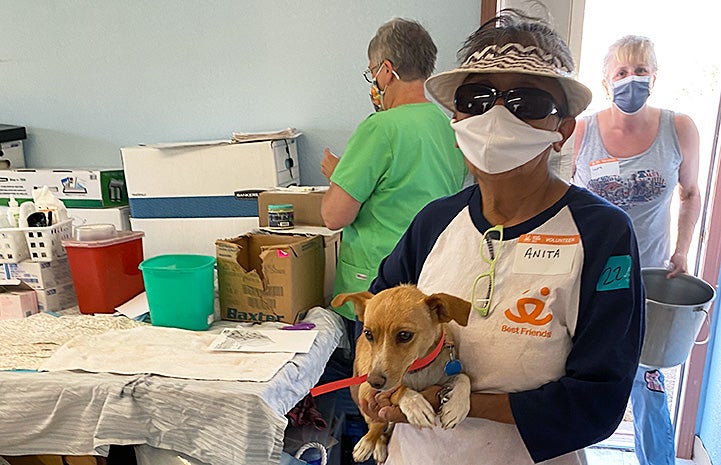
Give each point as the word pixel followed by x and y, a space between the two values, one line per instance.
pixel 331 249
pixel 17 301
pixel 77 188
pixel 306 205
pixel 188 235
pixel 42 275
pixel 56 298
pixel 268 277
pixel 199 179
pixel 117 216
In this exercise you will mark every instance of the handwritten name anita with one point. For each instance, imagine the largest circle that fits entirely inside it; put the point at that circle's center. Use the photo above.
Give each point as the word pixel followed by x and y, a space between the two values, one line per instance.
pixel 550 254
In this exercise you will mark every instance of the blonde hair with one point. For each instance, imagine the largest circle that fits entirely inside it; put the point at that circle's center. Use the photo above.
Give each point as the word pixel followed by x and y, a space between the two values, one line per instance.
pixel 631 48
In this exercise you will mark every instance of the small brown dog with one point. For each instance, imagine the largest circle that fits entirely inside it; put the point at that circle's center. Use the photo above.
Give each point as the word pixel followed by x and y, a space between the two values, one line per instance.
pixel 402 325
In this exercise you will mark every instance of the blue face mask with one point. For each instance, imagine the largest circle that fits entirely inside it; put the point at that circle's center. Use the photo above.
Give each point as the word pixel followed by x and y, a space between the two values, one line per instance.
pixel 631 93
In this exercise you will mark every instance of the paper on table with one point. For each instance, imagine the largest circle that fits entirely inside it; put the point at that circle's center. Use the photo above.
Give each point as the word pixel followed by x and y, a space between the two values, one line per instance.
pixel 135 307
pixel 263 340
pixel 289 133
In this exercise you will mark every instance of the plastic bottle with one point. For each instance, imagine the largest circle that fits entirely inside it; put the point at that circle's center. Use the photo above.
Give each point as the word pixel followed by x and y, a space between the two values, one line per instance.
pixel 13 212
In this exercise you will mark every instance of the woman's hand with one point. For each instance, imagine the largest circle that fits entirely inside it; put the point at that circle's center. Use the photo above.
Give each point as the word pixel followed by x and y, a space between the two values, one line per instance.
pixel 328 164
pixel 380 408
pixel 678 265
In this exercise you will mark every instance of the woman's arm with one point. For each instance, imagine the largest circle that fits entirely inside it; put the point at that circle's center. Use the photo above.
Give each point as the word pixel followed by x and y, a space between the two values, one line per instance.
pixel 689 194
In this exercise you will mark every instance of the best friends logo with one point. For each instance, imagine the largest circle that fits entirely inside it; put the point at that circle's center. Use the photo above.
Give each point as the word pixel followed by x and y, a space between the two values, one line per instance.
pixel 529 311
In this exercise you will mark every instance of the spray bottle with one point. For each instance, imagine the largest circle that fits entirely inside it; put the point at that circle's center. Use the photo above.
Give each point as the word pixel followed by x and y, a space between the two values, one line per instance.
pixel 13 212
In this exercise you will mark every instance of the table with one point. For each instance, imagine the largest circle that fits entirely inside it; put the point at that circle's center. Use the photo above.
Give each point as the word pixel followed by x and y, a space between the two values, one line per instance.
pixel 216 422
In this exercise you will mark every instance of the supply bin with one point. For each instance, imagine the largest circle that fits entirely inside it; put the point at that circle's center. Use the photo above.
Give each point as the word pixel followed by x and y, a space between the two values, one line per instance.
pixel 105 271
pixel 180 290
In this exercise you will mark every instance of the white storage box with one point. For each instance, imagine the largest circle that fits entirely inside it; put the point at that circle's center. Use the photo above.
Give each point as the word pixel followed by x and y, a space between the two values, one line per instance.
pixel 192 180
pixel 188 235
pixel 41 275
pixel 117 216
pixel 76 188
pixel 56 298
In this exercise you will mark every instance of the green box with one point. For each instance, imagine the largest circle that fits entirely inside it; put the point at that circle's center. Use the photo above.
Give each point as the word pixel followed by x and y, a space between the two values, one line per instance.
pixel 76 188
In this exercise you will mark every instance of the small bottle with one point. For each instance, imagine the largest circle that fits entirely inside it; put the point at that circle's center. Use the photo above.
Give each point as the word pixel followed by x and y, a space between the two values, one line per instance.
pixel 13 212
pixel 280 216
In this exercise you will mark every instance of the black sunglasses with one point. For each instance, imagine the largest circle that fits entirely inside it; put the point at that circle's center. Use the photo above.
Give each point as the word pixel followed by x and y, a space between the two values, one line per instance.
pixel 523 102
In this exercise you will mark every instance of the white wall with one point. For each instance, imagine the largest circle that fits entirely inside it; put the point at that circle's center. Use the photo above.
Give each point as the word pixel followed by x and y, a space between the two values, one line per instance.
pixel 87 77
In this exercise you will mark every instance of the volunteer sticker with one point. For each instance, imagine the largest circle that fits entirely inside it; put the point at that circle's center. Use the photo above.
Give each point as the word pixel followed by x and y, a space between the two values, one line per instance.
pixel 604 167
pixel 616 274
pixel 545 254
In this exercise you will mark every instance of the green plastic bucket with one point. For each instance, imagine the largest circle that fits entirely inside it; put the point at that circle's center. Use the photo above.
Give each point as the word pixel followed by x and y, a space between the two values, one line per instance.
pixel 180 290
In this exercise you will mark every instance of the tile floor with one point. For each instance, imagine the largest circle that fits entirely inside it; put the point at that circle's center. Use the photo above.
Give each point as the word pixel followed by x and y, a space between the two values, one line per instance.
pixel 606 456
pixel 618 449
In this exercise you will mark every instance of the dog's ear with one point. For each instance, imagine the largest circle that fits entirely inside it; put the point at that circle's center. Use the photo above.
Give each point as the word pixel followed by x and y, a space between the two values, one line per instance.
pixel 449 307
pixel 359 300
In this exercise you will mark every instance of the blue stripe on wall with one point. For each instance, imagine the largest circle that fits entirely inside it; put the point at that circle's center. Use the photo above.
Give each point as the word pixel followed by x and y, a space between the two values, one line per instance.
pixel 193 207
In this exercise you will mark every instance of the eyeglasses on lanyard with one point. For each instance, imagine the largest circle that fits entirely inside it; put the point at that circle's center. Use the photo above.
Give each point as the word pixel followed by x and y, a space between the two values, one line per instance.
pixel 484 282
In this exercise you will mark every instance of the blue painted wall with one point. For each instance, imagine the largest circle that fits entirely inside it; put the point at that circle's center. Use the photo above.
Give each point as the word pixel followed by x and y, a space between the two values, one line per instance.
pixel 708 423
pixel 87 77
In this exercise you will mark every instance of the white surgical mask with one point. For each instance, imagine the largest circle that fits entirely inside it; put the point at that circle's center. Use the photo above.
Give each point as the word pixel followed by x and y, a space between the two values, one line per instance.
pixel 497 141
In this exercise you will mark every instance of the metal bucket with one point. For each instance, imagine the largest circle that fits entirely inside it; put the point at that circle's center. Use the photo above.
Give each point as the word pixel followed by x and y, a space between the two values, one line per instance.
pixel 675 311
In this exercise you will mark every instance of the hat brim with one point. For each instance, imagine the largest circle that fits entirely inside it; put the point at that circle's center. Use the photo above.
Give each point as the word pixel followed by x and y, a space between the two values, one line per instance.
pixel 442 87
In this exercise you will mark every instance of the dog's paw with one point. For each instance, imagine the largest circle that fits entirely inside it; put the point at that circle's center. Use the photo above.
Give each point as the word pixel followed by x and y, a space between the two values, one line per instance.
pixel 363 449
pixel 456 408
pixel 417 409
pixel 380 452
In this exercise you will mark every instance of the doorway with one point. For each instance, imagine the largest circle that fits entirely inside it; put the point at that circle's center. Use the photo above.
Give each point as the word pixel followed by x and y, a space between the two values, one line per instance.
pixel 689 82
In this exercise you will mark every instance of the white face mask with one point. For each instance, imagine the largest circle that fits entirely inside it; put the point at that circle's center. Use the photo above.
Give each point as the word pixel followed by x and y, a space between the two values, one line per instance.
pixel 497 141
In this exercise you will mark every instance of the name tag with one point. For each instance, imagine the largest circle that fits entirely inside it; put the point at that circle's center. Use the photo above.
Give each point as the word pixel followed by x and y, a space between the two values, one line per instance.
pixel 545 254
pixel 605 167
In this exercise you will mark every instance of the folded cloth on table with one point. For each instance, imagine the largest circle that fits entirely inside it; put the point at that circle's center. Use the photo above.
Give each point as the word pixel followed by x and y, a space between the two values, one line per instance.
pixel 163 351
pixel 26 343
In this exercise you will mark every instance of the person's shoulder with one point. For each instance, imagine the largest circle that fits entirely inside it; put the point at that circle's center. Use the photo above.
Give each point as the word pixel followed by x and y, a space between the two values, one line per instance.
pixel 449 205
pixel 587 206
pixel 683 122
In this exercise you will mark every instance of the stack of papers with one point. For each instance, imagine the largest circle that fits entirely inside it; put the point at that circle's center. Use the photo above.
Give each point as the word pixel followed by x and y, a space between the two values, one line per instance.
pixel 289 133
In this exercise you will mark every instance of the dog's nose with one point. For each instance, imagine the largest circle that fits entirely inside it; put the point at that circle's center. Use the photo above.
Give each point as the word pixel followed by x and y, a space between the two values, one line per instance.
pixel 377 381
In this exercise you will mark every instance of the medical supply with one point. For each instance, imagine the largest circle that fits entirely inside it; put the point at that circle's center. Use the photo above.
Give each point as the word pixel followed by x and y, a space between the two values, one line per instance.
pixel 280 216
pixel 13 212
pixel 104 265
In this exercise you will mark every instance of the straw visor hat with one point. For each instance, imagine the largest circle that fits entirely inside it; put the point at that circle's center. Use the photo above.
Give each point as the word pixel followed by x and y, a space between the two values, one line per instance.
pixel 510 58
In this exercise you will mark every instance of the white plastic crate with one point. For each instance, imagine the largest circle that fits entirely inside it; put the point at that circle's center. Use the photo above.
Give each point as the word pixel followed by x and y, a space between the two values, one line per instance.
pixel 13 246
pixel 45 244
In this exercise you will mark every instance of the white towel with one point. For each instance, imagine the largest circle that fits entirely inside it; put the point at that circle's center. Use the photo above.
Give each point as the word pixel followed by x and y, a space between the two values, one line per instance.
pixel 163 351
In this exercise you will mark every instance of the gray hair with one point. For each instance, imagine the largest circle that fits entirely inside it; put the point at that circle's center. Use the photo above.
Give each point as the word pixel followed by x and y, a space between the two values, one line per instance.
pixel 513 26
pixel 407 45
pixel 629 48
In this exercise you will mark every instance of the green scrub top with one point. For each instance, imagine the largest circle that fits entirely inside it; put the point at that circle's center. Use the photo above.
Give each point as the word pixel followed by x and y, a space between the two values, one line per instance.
pixel 396 162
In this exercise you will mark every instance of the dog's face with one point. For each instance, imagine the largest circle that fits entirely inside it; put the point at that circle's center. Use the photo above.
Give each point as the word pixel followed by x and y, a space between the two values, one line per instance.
pixel 400 325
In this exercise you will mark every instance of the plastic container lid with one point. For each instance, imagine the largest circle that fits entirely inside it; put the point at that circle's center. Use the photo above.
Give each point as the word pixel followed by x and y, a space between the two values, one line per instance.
pixel 119 238
pixel 280 206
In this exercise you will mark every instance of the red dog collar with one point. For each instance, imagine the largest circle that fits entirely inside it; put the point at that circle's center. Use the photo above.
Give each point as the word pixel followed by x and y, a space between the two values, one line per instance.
pixel 342 383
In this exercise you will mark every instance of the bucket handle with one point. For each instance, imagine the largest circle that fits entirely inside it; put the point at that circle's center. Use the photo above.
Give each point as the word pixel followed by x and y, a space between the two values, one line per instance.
pixel 707 320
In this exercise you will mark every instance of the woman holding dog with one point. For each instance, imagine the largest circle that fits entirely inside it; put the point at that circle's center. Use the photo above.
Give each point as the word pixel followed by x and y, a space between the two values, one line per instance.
pixel 551 270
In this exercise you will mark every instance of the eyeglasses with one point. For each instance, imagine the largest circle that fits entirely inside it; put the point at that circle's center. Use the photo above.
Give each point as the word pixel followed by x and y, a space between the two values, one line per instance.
pixel 368 73
pixel 524 102
pixel 484 283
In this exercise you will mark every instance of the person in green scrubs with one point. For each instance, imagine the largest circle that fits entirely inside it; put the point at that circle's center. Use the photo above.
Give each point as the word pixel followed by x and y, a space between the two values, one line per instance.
pixel 399 158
